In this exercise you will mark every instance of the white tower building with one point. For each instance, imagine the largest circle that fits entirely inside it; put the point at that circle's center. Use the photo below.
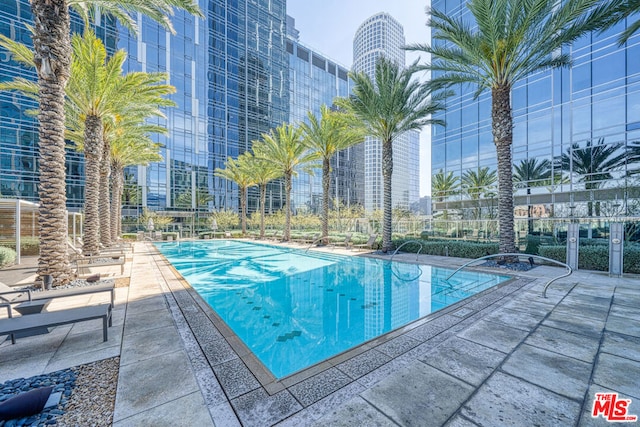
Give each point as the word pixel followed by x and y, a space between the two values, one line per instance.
pixel 382 35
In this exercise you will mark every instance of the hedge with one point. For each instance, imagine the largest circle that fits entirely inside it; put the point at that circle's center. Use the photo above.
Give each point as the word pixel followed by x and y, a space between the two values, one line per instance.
pixel 7 256
pixel 454 248
pixel 28 245
pixel 595 257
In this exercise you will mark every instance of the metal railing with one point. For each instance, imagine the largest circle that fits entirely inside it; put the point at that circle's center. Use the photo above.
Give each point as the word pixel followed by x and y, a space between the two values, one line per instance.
pixel 315 242
pixel 553 261
pixel 407 242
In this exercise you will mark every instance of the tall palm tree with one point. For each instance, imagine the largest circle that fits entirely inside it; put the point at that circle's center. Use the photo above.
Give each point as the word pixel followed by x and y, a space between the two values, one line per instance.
pixel 283 147
pixel 511 40
pixel 388 106
pixel 263 172
pixel 52 58
pixel 99 97
pixel 327 136
pixel 444 185
pixel 239 171
pixel 99 94
pixel 131 146
pixel 593 164
pixel 478 184
pixel 531 173
pixel 621 10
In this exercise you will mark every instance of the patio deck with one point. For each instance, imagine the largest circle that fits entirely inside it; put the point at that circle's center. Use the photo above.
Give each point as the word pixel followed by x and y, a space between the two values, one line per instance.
pixel 504 357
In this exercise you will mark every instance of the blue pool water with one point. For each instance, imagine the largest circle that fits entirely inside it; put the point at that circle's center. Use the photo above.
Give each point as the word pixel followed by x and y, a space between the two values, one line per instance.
pixel 294 309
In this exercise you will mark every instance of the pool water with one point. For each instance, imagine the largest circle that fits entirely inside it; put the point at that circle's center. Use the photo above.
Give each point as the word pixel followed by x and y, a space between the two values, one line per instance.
pixel 295 309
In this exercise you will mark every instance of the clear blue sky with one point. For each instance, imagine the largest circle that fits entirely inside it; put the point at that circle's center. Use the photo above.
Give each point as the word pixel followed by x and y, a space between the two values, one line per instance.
pixel 329 26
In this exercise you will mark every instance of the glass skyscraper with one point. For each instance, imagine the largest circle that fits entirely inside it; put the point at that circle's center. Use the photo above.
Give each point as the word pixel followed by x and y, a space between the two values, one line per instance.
pixel 230 71
pixel 315 80
pixel 19 130
pixel 568 117
pixel 381 35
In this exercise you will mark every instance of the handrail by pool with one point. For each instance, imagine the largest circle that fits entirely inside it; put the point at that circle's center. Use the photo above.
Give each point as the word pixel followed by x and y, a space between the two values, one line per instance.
pixel 409 241
pixel 544 292
pixel 314 242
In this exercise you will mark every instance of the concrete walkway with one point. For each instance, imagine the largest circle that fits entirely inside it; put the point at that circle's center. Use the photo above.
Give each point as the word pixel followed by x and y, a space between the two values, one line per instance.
pixel 504 357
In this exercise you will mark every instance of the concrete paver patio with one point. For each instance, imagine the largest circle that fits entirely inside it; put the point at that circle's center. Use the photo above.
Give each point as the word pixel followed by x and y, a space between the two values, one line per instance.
pixel 504 357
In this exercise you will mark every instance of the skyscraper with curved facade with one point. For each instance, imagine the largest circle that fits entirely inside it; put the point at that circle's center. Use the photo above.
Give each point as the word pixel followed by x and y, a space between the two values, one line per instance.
pixel 381 35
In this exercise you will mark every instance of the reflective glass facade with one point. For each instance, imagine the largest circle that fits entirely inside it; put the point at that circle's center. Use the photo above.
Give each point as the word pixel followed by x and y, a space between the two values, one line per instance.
pixel 564 116
pixel 315 80
pixel 382 35
pixel 19 130
pixel 230 71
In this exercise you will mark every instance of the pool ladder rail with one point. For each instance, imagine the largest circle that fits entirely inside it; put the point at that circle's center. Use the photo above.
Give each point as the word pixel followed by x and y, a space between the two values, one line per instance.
pixel 417 254
pixel 553 261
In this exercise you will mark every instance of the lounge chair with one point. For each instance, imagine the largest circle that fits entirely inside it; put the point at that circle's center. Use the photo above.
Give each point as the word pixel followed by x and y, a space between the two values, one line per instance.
pixel 347 243
pixel 370 243
pixel 9 295
pixel 12 325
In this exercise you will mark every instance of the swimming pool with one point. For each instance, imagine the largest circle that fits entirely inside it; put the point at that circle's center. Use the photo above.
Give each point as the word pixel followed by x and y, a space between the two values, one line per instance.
pixel 295 309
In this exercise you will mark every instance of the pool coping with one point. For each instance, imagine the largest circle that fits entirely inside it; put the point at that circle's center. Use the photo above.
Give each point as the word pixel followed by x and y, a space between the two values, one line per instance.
pixel 247 384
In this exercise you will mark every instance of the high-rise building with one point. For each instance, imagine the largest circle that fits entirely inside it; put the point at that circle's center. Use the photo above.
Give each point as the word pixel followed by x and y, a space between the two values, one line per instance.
pixel 18 129
pixel 315 80
pixel 230 71
pixel 381 35
pixel 567 117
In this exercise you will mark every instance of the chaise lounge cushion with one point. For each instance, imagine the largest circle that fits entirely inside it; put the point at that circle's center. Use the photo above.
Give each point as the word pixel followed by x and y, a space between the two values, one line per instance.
pixel 25 404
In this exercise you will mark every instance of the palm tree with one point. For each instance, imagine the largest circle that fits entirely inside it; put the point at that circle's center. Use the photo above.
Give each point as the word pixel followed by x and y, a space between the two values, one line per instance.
pixel 283 147
pixel 478 184
pixel 99 94
pixel 131 147
pixel 388 106
pixel 511 40
pixel 331 134
pixel 52 57
pixel 594 164
pixel 263 173
pixel 239 171
pixel 531 173
pixel 621 10
pixel 443 186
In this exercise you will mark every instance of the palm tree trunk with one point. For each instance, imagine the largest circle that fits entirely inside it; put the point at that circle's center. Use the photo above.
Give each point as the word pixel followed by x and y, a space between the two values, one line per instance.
pixel 503 137
pixel 52 54
pixel 243 209
pixel 105 201
pixel 287 207
pixel 263 200
pixel 387 171
pixel 326 183
pixel 92 154
pixel 117 186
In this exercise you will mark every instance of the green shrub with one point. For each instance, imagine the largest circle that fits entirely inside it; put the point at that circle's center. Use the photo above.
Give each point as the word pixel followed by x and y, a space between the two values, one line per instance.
pixel 594 257
pixel 7 256
pixel 424 235
pixel 593 242
pixel 129 236
pixel 533 244
pixel 454 248
pixel 557 252
pixel 29 246
pixel 632 259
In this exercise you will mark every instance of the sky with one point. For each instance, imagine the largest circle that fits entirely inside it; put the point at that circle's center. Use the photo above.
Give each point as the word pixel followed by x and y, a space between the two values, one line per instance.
pixel 328 26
